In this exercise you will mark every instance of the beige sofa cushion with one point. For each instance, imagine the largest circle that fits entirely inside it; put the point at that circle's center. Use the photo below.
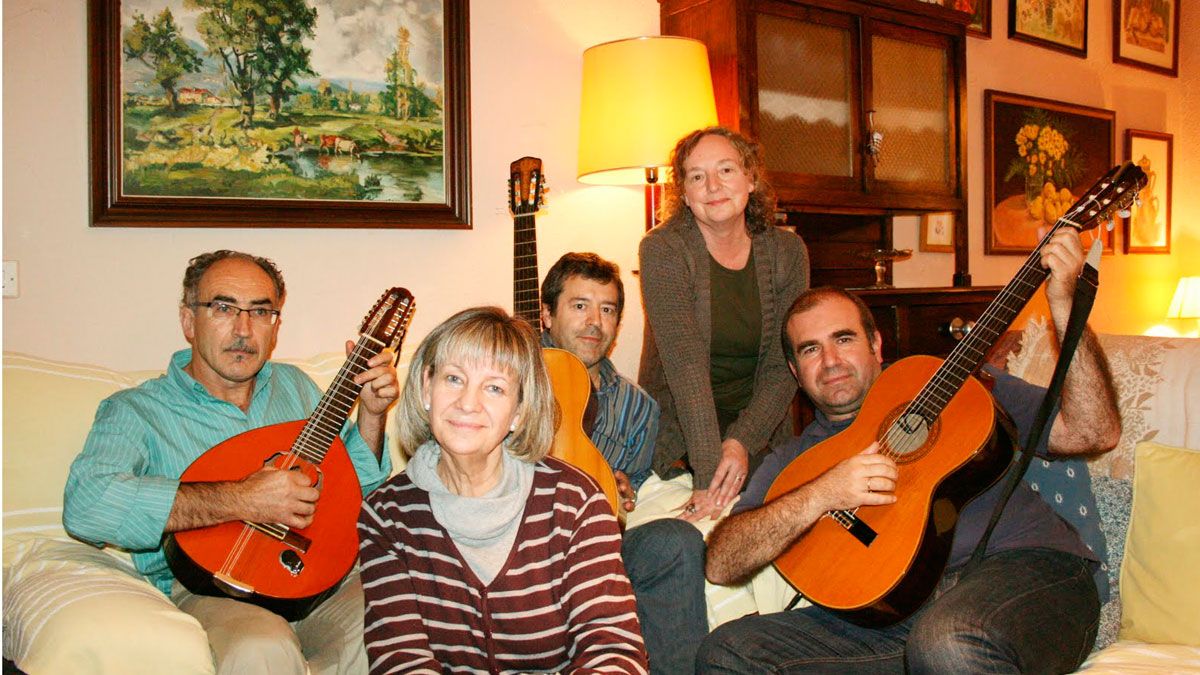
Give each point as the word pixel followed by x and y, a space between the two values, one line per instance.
pixel 1160 576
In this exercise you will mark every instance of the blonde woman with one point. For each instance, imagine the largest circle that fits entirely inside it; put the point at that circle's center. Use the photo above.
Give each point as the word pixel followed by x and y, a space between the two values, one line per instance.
pixel 485 553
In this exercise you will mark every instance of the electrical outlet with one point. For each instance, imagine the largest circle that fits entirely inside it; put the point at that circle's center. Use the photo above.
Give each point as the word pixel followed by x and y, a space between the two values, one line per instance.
pixel 11 289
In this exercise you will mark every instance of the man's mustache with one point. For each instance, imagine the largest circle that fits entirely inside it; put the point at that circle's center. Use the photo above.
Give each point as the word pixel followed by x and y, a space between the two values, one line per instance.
pixel 241 345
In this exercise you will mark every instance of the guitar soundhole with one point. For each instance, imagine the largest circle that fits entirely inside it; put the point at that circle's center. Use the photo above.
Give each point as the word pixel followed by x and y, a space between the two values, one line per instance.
pixel 291 561
pixel 907 436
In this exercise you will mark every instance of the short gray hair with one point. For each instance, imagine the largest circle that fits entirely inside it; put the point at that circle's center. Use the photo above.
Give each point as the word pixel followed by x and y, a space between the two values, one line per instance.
pixel 199 265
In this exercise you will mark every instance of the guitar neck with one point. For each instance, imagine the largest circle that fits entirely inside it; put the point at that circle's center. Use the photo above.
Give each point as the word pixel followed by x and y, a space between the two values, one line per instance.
pixel 325 423
pixel 968 355
pixel 527 302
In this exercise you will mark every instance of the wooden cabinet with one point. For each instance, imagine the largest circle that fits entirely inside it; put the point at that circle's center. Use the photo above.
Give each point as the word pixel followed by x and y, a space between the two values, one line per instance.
pixel 926 320
pixel 858 104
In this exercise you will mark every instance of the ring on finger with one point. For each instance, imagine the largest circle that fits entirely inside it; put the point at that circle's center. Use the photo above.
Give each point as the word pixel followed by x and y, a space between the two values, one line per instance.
pixel 691 508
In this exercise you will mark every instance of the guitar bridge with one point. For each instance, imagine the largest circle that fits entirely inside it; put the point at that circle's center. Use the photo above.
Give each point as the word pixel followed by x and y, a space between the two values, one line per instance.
pixel 857 527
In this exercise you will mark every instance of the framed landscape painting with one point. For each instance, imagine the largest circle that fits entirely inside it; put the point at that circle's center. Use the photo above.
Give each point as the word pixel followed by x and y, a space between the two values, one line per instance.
pixel 1146 34
pixel 1040 157
pixel 1148 227
pixel 292 113
pixel 1054 24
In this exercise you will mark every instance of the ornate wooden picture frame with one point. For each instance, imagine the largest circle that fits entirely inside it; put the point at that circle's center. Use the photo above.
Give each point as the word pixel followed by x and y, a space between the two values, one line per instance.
pixel 205 114
pixel 1040 156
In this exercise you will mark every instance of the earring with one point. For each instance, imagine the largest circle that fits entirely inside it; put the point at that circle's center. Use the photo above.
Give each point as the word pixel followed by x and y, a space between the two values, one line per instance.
pixel 512 427
pixel 427 407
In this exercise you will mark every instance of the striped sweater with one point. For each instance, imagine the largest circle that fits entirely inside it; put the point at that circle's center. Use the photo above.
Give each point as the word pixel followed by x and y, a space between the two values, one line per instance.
pixel 561 602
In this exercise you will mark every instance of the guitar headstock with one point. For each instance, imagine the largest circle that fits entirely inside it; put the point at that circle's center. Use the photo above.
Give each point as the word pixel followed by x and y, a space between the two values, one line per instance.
pixel 387 322
pixel 1115 191
pixel 526 186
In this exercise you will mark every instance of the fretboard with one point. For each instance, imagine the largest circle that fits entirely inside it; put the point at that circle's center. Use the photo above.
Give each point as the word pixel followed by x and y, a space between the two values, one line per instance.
pixel 527 303
pixel 968 355
pixel 326 421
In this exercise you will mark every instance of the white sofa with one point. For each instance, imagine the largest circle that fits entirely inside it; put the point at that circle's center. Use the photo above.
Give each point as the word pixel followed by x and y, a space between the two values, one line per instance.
pixel 1146 498
pixel 69 607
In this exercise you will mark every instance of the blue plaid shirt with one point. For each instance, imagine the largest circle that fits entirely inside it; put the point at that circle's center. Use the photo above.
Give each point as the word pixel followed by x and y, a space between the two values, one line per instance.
pixel 626 422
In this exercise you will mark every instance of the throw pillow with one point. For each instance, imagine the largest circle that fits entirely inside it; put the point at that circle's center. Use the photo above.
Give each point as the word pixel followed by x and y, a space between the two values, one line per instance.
pixel 1160 576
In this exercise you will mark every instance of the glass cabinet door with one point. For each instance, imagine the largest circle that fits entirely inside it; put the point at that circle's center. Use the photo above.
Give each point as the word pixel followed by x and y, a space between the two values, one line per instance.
pixel 911 107
pixel 807 110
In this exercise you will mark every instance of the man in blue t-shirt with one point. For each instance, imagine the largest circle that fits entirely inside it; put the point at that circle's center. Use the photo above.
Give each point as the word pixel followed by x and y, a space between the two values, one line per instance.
pixel 1030 605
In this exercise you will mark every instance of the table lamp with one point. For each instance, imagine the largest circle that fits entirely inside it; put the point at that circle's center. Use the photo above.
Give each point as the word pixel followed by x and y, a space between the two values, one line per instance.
pixel 1186 302
pixel 640 96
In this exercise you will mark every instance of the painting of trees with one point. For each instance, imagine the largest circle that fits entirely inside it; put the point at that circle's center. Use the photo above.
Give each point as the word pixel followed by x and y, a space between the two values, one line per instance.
pixel 260 45
pixel 160 47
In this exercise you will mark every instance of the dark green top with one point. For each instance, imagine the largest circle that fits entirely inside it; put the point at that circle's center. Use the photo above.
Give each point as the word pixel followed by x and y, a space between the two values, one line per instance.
pixel 736 331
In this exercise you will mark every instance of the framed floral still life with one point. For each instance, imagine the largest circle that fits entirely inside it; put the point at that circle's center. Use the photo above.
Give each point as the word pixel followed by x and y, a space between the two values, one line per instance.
pixel 1146 34
pixel 1040 157
pixel 1148 227
pixel 304 113
pixel 937 232
pixel 1054 24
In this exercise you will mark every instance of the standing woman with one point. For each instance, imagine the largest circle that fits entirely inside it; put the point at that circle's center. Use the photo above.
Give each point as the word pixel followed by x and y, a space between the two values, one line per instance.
pixel 486 555
pixel 717 276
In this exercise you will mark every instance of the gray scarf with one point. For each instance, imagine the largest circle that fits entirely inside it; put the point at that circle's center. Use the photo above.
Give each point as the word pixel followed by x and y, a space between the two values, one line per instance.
pixel 484 528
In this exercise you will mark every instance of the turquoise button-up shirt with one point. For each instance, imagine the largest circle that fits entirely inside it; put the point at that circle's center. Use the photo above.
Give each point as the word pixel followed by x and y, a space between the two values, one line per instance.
pixel 123 484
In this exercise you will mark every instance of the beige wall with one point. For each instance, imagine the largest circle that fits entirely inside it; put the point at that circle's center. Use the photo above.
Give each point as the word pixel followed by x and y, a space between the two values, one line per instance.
pixel 109 295
pixel 1134 289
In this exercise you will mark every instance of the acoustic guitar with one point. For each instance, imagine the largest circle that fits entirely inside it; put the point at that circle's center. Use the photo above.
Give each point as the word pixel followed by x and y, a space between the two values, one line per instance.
pixel 877 564
pixel 568 376
pixel 285 570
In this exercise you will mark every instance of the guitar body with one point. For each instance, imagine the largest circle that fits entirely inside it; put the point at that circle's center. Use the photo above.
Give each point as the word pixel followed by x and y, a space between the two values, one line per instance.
pixel 572 388
pixel 880 580
pixel 199 557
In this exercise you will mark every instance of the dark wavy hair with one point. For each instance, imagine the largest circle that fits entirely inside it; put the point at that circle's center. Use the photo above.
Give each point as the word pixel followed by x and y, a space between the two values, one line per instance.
pixel 760 209
pixel 587 265
pixel 815 296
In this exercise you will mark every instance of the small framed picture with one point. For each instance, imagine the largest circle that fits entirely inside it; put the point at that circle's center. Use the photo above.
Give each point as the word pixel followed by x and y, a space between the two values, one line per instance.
pixel 1146 34
pixel 1060 25
pixel 1148 227
pixel 937 232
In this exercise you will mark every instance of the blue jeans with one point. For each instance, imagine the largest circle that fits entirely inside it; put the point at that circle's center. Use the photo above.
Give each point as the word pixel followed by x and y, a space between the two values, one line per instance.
pixel 1019 611
pixel 665 563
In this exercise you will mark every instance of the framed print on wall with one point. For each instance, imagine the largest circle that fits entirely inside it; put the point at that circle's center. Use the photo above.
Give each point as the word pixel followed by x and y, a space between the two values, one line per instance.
pixel 1146 34
pixel 1040 157
pixel 981 16
pixel 1148 227
pixel 1054 24
pixel 937 232
pixel 309 113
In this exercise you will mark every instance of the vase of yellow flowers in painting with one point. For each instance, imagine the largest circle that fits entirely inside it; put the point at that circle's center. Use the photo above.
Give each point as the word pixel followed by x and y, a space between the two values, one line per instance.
pixel 1048 165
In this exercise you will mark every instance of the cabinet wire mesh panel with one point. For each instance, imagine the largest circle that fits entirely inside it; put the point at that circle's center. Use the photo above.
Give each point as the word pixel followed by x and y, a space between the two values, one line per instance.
pixel 911 97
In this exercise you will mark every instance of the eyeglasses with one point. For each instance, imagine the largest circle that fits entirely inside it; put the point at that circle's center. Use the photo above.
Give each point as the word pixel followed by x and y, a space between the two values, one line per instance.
pixel 224 311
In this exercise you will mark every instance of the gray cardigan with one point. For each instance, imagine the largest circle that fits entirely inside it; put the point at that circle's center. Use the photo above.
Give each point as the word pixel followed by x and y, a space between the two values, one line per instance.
pixel 675 366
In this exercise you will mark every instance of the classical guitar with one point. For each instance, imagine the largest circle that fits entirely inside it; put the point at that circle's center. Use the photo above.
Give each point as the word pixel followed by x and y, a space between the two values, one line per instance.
pixel 568 375
pixel 268 564
pixel 877 564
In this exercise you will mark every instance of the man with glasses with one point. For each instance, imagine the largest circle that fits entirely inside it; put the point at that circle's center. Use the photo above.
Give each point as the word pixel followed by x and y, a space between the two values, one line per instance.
pixel 124 486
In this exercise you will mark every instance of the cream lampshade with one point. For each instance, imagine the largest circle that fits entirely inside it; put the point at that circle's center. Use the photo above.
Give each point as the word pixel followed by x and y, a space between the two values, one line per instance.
pixel 640 96
pixel 1186 303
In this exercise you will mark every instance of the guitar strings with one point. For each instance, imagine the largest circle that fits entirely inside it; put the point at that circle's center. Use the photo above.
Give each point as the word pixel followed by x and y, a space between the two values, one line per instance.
pixel 307 445
pixel 1030 268
pixel 919 406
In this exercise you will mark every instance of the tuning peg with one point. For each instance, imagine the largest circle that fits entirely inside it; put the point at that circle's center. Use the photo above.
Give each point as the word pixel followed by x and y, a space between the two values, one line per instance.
pixel 1124 213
